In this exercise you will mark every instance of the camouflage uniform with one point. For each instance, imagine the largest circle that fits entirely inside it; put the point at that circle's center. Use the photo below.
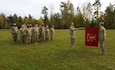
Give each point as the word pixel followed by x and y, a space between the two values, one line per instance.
pixel 30 29
pixel 36 33
pixel 47 34
pixel 52 32
pixel 22 34
pixel 14 31
pixel 28 35
pixel 23 31
pixel 72 33
pixel 40 33
pixel 102 35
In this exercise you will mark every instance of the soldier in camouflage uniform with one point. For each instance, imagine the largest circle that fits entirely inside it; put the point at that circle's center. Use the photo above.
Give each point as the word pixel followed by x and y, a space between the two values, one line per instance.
pixel 43 33
pixel 72 33
pixel 22 34
pixel 14 31
pixel 36 33
pixel 102 36
pixel 52 32
pixel 31 34
pixel 47 34
pixel 40 33
pixel 23 31
pixel 28 34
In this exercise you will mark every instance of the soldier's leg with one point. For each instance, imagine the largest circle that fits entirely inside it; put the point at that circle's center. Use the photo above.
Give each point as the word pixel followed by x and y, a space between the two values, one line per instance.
pixel 51 37
pixel 23 39
pixel 72 42
pixel 15 37
pixel 102 47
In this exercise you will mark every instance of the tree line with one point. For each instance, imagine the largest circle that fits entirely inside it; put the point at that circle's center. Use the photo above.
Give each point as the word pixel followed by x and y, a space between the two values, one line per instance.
pixel 87 16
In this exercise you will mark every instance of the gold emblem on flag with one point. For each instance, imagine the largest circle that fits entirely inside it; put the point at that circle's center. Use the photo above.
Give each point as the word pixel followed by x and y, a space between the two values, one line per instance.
pixel 91 37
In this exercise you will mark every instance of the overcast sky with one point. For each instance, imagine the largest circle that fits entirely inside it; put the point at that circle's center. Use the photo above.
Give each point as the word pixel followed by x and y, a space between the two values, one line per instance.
pixel 34 7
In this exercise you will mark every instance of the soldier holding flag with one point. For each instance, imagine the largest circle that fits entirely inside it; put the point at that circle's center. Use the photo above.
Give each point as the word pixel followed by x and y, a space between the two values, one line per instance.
pixel 72 33
pixel 102 35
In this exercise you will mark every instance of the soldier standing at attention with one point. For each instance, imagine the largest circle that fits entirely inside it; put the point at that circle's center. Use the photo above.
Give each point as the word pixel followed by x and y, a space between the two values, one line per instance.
pixel 14 31
pixel 72 33
pixel 52 32
pixel 28 39
pixel 23 31
pixel 47 34
pixel 102 36
pixel 36 33
pixel 40 33
pixel 43 33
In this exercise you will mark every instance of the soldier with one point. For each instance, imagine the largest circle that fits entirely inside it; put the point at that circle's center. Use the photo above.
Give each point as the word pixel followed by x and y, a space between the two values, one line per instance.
pixel 36 33
pixel 40 33
pixel 28 35
pixel 23 31
pixel 30 29
pixel 47 34
pixel 21 34
pixel 72 33
pixel 14 31
pixel 52 32
pixel 102 35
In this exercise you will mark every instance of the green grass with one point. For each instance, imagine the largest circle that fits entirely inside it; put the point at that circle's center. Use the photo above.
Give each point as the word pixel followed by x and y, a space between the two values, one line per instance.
pixel 57 54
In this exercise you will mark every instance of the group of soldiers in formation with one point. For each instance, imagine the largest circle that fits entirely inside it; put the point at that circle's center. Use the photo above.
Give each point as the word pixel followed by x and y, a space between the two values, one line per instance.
pixel 32 34
pixel 29 34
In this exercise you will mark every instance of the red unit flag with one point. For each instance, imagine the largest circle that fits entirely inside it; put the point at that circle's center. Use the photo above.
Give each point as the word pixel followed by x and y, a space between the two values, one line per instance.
pixel 91 36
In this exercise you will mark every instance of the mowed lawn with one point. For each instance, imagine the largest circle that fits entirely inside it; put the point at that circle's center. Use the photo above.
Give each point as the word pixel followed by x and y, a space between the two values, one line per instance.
pixel 57 54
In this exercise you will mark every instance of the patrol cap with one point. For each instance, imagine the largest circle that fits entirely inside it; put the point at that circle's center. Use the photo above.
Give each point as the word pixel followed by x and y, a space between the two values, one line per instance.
pixel 14 24
pixel 101 23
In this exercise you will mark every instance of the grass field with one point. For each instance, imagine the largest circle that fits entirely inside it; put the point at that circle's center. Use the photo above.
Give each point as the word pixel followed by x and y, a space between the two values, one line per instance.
pixel 57 54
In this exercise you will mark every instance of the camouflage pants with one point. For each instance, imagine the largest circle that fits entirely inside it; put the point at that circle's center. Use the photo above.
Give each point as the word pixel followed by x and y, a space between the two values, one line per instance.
pixel 28 39
pixel 102 45
pixel 15 35
pixel 51 36
pixel 47 37
pixel 72 39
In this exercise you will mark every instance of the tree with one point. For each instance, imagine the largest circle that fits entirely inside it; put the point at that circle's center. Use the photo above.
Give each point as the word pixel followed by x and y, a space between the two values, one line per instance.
pixel 57 20
pixel 87 12
pixel 110 17
pixel 15 17
pixel 40 20
pixel 2 21
pixel 97 6
pixel 52 20
pixel 25 20
pixel 67 13
pixel 10 20
pixel 30 19
pixel 20 22
pixel 79 18
pixel 45 13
